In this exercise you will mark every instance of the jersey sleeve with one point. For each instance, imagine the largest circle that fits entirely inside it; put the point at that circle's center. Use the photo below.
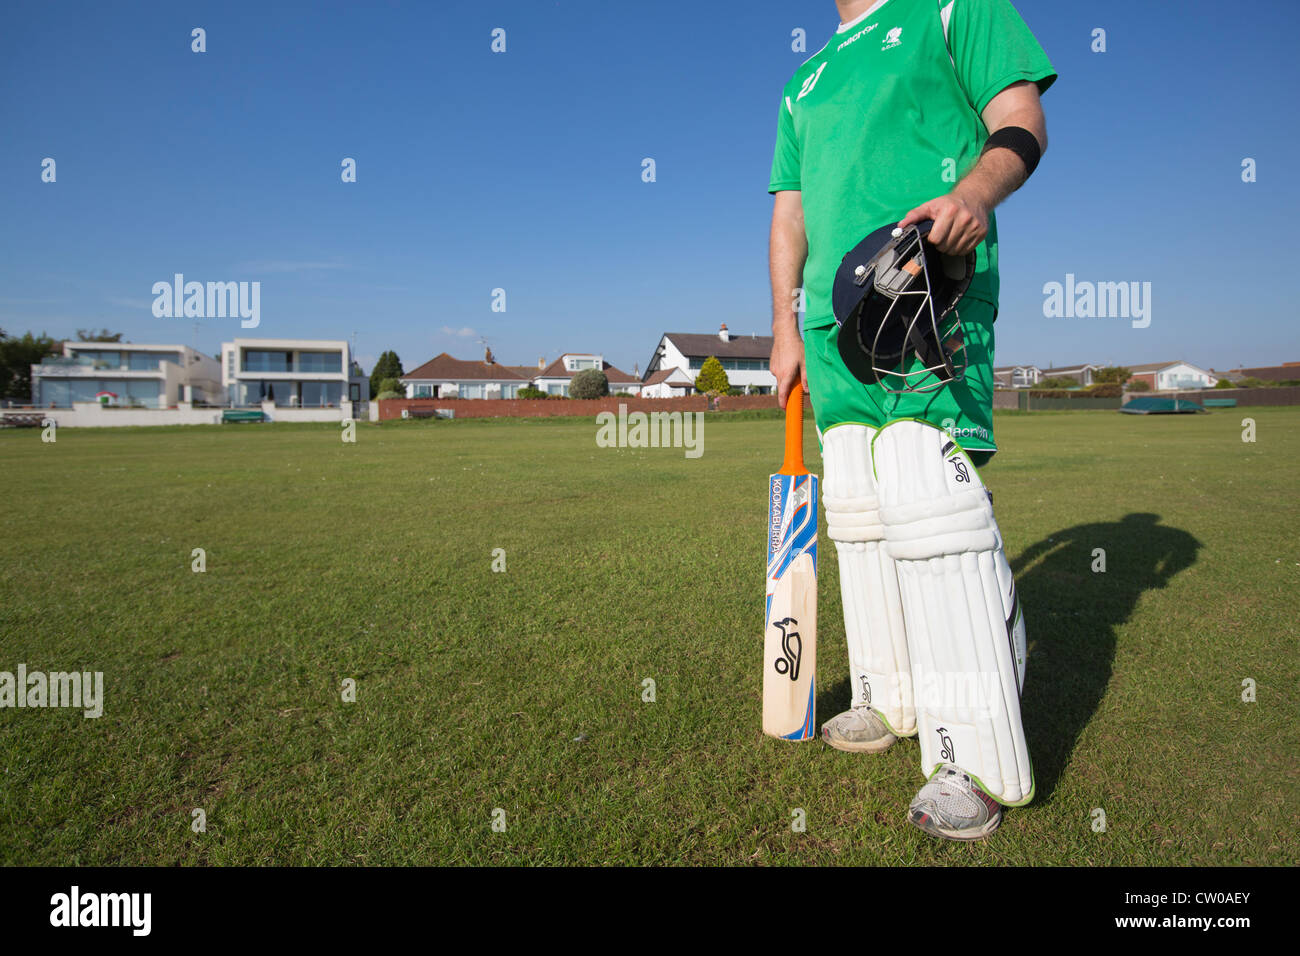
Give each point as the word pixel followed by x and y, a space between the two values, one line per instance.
pixel 992 48
pixel 785 160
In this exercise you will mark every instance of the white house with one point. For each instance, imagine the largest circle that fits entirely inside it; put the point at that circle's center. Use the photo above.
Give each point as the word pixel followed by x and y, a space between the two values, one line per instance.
pixel 446 377
pixel 1017 376
pixel 291 373
pixel 743 357
pixel 1083 374
pixel 126 374
pixel 555 378
pixel 1171 376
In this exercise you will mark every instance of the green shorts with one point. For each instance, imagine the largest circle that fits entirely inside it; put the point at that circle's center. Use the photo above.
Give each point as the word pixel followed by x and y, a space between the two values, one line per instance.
pixel 963 409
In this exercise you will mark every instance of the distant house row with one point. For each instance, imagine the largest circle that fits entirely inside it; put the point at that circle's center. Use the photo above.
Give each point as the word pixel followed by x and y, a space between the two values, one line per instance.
pixel 322 374
pixel 671 371
pixel 446 377
pixel 1159 376
pixel 286 373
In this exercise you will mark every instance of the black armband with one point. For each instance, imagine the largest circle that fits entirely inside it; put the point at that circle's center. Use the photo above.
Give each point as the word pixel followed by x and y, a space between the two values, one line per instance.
pixel 1021 142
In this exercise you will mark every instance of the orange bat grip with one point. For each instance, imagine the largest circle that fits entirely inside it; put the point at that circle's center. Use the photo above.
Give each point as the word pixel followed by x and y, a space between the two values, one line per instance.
pixel 793 464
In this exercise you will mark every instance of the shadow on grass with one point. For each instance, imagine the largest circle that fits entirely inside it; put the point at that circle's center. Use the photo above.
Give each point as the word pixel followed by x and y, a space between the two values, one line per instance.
pixel 1071 613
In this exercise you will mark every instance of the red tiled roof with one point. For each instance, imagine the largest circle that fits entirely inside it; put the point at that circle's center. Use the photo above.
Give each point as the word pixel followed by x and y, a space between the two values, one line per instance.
pixel 618 375
pixel 446 368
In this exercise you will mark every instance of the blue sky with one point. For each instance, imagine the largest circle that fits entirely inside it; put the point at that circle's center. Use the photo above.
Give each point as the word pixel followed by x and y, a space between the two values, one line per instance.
pixel 523 171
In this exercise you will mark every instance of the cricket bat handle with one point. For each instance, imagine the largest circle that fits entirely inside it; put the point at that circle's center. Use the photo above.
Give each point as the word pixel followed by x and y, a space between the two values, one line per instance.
pixel 793 464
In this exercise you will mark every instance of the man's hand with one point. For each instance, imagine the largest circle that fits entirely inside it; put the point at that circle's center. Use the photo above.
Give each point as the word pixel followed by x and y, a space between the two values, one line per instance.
pixel 787 364
pixel 960 224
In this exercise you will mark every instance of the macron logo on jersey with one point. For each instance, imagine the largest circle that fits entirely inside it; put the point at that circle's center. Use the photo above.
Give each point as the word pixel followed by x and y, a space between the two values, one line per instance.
pixel 857 36
pixel 893 38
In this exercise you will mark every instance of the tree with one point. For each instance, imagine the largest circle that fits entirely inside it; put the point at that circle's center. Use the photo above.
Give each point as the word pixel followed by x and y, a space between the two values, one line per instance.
pixel 102 335
pixel 1224 383
pixel 388 366
pixel 589 383
pixel 1116 374
pixel 712 379
pixel 529 391
pixel 1141 385
pixel 392 385
pixel 17 356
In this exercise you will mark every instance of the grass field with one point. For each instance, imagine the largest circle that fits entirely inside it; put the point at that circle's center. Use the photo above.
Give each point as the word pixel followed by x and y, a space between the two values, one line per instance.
pixel 523 690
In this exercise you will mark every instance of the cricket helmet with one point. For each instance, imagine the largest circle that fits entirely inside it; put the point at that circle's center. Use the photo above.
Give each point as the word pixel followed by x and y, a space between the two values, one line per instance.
pixel 895 300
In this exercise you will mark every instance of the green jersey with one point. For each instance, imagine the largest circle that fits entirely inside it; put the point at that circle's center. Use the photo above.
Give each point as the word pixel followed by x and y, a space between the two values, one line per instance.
pixel 886 116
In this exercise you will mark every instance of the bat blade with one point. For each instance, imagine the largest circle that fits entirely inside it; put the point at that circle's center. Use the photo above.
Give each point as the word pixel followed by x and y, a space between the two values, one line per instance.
pixel 790 634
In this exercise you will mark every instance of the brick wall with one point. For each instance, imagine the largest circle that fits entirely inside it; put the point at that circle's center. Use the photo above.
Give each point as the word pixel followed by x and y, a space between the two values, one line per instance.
pixel 391 408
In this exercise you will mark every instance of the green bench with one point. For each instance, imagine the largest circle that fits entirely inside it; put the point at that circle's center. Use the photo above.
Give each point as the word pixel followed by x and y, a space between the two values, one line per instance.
pixel 1219 402
pixel 237 415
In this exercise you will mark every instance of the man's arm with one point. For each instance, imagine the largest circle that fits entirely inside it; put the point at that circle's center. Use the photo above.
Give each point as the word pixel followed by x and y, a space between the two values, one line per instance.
pixel 787 252
pixel 961 218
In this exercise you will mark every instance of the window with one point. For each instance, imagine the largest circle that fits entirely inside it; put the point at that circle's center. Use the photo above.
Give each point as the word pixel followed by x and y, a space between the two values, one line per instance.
pixel 471 391
pixel 510 390
pixel 261 361
pixel 320 362
pixel 53 391
pixel 315 394
pixel 143 392
pixel 100 358
pixel 424 391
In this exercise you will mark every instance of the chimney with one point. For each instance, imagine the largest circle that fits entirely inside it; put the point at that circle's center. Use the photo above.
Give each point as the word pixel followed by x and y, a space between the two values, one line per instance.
pixel 541 362
pixel 487 357
pixel 723 333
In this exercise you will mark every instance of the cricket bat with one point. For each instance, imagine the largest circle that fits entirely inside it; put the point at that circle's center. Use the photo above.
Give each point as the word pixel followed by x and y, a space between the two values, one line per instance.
pixel 790 634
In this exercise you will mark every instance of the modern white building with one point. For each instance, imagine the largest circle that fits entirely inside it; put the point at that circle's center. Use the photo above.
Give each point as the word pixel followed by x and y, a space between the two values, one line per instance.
pixel 744 358
pixel 291 373
pixel 126 375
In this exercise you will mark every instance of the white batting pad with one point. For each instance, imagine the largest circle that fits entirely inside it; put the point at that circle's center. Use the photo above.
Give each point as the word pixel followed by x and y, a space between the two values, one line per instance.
pixel 965 632
pixel 879 672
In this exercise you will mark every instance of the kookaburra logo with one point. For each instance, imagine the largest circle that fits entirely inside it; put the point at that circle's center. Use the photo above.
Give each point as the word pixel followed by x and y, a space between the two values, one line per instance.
pixel 946 750
pixel 960 466
pixel 866 689
pixel 791 649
